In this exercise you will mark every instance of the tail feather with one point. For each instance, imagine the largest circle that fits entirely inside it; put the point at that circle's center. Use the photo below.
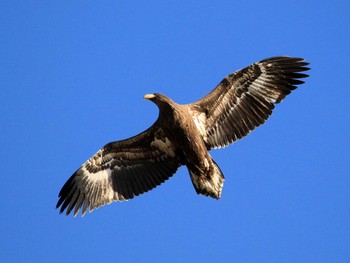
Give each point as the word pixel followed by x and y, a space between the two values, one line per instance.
pixel 209 184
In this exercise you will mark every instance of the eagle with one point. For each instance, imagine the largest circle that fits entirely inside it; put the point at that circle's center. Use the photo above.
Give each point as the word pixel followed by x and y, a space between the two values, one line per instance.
pixel 183 134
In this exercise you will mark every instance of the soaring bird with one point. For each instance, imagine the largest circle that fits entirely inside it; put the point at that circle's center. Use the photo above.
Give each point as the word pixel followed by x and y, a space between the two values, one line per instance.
pixel 183 134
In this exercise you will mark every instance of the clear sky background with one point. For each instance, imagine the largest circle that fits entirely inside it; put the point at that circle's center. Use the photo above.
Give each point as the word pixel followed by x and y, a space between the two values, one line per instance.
pixel 72 78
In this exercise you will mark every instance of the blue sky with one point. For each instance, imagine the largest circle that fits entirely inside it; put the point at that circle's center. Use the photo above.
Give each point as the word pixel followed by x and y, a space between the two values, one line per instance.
pixel 73 76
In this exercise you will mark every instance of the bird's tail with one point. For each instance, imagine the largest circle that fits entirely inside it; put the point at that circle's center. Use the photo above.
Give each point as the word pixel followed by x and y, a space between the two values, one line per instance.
pixel 210 183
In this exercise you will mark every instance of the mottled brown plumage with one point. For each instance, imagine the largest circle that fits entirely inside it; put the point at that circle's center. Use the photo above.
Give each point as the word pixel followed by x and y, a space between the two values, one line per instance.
pixel 183 135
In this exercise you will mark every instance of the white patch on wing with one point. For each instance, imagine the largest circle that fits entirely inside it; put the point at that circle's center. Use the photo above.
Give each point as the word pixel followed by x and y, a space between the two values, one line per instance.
pixel 199 121
pixel 102 180
pixel 97 177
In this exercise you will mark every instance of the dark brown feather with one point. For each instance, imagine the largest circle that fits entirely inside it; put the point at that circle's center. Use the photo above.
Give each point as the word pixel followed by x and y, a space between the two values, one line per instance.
pixel 117 172
pixel 245 99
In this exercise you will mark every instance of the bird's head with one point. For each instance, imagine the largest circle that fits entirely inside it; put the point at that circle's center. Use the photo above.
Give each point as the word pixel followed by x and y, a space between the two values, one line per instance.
pixel 158 98
pixel 163 102
pixel 151 96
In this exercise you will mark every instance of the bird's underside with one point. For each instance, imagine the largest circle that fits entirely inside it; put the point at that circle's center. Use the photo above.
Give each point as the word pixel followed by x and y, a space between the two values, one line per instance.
pixel 183 135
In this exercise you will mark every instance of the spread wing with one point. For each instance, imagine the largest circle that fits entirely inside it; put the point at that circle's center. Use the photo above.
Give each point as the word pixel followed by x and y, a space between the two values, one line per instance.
pixel 120 171
pixel 245 99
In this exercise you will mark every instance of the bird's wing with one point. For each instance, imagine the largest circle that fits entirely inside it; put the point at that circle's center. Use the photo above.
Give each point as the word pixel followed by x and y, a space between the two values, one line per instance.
pixel 245 99
pixel 120 171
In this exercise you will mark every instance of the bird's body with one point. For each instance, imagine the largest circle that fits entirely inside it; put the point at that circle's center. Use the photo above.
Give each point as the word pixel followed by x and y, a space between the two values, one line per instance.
pixel 183 135
pixel 181 130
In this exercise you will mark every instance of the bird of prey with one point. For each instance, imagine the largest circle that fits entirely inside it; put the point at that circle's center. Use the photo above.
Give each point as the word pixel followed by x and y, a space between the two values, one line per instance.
pixel 183 134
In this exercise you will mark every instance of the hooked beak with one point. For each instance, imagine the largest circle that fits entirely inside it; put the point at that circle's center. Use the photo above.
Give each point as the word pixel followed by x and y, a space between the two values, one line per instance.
pixel 149 96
